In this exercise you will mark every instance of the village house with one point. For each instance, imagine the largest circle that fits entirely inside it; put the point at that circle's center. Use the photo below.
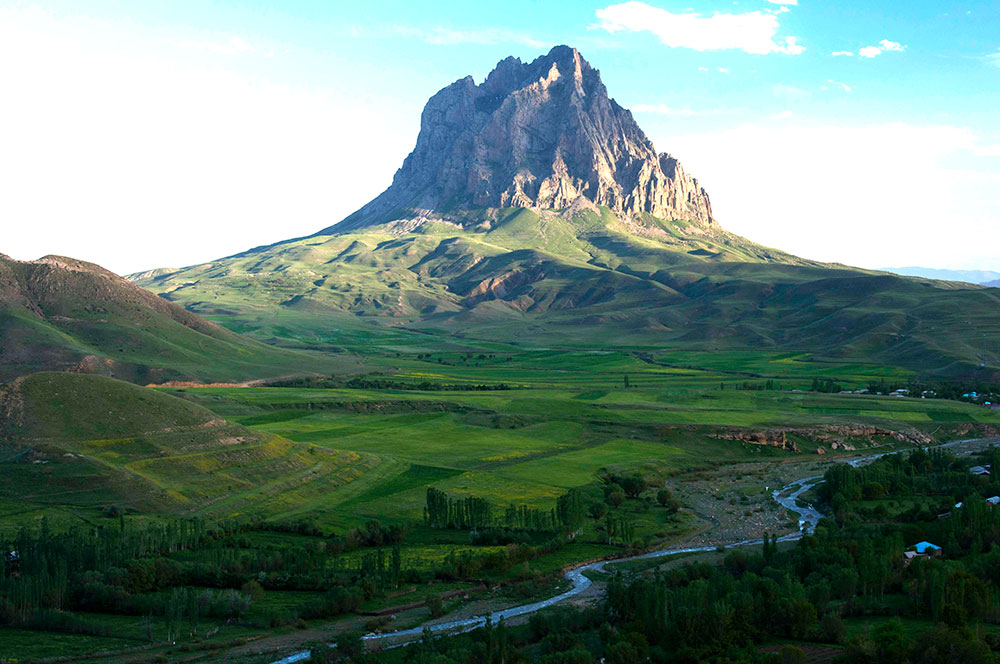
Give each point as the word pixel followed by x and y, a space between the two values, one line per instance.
pixel 921 550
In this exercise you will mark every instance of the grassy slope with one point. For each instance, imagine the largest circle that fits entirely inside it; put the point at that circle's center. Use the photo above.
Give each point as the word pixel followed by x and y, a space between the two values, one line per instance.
pixel 80 442
pixel 60 314
pixel 571 419
pixel 539 278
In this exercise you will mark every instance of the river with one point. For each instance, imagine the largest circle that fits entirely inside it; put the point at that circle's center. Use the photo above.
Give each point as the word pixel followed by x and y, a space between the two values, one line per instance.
pixel 787 496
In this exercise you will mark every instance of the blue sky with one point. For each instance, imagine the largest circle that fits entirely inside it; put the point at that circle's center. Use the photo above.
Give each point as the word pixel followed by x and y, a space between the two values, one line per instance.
pixel 858 132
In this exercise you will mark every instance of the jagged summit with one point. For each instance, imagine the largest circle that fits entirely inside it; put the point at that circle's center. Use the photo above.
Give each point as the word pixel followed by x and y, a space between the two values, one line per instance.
pixel 536 135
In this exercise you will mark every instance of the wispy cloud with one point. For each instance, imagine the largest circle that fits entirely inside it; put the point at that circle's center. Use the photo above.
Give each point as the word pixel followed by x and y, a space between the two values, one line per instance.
pixel 836 53
pixel 751 32
pixel 784 2
pixel 789 92
pixel 235 46
pixel 994 59
pixel 884 46
pixel 444 36
pixel 837 84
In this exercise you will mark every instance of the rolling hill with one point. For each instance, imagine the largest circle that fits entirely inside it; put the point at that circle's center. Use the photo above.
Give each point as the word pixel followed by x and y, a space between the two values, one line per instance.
pixel 533 209
pixel 65 314
pixel 79 441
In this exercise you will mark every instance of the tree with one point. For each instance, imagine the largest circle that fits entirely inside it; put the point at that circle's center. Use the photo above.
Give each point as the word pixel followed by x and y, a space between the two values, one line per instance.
pixel 570 508
pixel 665 498
pixel 793 655
pixel 597 511
pixel 436 606
pixel 633 485
pixel 350 645
pixel 891 643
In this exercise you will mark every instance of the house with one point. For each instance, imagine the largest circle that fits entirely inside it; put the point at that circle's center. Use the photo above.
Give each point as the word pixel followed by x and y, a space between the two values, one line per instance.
pixel 12 563
pixel 901 392
pixel 993 501
pixel 927 549
pixel 980 470
pixel 921 550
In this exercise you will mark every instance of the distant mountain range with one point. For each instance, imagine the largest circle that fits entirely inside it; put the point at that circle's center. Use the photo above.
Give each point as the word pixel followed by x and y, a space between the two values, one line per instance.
pixel 534 210
pixel 983 277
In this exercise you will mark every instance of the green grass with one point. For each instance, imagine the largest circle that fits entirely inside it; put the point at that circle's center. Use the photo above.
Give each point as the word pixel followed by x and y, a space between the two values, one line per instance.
pixel 340 457
pixel 589 282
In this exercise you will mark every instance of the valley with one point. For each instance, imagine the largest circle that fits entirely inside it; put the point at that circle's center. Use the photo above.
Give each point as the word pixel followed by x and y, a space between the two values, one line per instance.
pixel 309 468
pixel 533 379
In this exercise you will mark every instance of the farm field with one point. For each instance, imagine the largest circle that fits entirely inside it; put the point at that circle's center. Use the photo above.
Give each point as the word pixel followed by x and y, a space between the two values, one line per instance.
pixel 301 472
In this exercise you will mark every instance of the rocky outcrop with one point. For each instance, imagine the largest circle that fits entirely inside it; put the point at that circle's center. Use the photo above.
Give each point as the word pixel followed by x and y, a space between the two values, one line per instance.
pixel 839 437
pixel 543 135
pixel 773 438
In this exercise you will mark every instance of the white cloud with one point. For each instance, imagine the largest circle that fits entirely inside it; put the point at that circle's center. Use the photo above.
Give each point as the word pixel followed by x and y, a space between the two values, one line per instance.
pixel 884 46
pixel 789 92
pixel 722 70
pixel 784 2
pixel 752 32
pixel 443 36
pixel 853 194
pixel 994 58
pixel 843 86
pixel 234 46
pixel 836 53
pixel 702 68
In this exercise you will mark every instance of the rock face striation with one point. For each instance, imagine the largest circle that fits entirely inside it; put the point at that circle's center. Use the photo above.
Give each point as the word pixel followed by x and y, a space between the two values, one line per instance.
pixel 542 134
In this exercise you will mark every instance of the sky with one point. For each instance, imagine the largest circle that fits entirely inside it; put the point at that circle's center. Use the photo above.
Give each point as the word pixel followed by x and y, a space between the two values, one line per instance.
pixel 141 133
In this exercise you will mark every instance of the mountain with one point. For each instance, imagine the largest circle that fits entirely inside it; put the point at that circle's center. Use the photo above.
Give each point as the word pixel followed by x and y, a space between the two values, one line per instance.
pixel 534 210
pixel 65 314
pixel 993 284
pixel 982 277
pixel 542 134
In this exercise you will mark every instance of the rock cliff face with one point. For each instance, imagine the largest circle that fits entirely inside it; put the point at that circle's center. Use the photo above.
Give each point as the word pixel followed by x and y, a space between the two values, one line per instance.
pixel 540 135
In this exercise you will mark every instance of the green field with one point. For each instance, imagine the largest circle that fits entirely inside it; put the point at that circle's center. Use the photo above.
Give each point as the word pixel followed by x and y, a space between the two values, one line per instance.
pixel 338 457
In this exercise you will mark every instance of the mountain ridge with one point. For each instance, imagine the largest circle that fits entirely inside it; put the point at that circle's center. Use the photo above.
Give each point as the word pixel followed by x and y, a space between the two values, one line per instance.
pixel 532 216
pixel 979 277
pixel 533 135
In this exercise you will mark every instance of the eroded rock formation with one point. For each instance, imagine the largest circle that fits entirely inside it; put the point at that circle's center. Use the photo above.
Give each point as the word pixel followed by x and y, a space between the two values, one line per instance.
pixel 543 135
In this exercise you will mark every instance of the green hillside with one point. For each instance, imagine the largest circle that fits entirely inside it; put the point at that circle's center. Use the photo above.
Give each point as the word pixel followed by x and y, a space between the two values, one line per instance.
pixel 63 314
pixel 585 277
pixel 77 443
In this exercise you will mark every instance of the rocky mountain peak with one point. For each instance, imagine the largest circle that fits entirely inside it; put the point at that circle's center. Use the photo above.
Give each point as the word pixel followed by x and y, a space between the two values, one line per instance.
pixel 540 134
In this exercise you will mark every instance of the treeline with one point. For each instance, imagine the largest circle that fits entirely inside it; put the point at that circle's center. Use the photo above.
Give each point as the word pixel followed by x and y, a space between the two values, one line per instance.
pixel 851 567
pixel 956 390
pixel 826 386
pixel 474 513
pixel 218 570
pixel 371 383
pixel 929 473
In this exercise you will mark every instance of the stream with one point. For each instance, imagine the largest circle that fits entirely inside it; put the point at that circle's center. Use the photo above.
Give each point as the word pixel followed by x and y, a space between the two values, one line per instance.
pixel 787 497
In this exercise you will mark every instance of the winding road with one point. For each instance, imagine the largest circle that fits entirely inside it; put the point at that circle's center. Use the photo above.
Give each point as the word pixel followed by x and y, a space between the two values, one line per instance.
pixel 787 497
